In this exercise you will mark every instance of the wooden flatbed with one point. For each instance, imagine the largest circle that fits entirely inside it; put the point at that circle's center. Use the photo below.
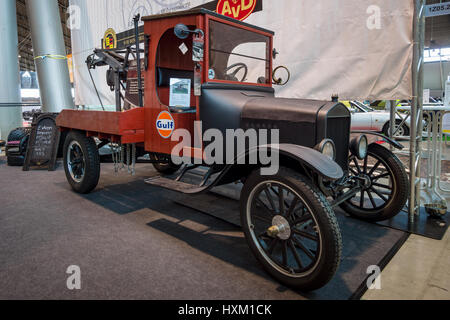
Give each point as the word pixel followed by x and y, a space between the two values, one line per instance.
pixel 120 127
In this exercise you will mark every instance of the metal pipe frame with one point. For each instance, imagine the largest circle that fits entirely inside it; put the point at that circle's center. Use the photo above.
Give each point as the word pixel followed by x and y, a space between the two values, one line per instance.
pixel 417 108
pixel 392 109
pixel 442 135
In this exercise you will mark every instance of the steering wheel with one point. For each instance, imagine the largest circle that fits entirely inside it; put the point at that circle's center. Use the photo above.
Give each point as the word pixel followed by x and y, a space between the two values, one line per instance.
pixel 238 66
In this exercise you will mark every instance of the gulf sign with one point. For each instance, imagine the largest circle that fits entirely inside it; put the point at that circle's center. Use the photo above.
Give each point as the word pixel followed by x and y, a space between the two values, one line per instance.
pixel 236 9
pixel 165 124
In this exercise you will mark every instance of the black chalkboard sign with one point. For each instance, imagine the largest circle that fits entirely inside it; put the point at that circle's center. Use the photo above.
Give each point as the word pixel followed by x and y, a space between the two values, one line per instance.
pixel 43 143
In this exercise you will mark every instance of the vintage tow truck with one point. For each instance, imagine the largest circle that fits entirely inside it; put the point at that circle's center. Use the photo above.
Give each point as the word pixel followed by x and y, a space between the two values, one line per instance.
pixel 226 72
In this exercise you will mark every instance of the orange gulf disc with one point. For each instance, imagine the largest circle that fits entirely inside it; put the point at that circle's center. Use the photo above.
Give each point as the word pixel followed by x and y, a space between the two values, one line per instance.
pixel 165 124
pixel 236 9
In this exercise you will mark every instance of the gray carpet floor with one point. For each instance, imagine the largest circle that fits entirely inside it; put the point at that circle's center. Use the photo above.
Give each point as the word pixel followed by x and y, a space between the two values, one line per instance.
pixel 132 241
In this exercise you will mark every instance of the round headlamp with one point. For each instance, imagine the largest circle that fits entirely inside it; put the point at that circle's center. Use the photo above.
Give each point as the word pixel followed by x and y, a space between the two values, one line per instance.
pixel 328 148
pixel 360 147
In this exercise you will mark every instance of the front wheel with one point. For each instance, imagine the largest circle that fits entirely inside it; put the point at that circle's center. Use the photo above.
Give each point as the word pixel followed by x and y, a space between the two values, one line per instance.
pixel 166 166
pixel 385 189
pixel 81 162
pixel 291 229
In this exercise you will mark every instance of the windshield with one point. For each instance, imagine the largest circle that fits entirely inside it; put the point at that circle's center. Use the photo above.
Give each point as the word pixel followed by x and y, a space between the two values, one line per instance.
pixel 238 55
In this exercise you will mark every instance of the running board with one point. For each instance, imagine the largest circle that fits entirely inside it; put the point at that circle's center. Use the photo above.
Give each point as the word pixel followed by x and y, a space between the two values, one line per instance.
pixel 177 186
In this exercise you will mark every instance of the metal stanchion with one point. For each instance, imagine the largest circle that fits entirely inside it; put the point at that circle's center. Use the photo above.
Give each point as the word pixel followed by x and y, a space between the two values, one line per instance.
pixel 416 109
pixel 392 109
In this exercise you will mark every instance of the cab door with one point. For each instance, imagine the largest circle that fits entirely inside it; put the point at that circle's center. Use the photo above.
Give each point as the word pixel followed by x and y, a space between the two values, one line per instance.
pixel 170 100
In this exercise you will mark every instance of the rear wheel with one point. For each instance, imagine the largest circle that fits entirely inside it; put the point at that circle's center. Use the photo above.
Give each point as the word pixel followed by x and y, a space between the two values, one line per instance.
pixel 386 185
pixel 166 166
pixel 291 229
pixel 81 162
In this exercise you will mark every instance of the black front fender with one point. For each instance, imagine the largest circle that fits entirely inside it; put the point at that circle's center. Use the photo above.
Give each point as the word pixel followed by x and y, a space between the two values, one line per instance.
pixel 392 142
pixel 316 161
pixel 309 158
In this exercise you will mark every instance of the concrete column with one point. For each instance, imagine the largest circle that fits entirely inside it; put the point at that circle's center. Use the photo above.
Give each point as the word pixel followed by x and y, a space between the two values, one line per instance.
pixel 10 117
pixel 49 48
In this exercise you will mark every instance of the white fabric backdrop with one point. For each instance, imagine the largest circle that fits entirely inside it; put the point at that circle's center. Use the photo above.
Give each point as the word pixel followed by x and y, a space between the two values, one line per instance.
pixel 326 44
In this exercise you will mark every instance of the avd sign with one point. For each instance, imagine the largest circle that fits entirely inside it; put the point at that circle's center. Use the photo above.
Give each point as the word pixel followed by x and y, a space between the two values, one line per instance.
pixel 236 9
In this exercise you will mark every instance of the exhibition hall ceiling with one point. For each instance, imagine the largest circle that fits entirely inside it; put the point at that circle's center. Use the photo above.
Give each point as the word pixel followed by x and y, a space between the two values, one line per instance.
pixel 437 32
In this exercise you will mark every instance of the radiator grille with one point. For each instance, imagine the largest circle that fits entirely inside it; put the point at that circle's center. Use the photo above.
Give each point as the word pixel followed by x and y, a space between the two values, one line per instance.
pixel 338 130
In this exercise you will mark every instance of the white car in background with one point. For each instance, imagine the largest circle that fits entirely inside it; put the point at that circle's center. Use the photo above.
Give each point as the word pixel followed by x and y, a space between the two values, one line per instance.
pixel 367 118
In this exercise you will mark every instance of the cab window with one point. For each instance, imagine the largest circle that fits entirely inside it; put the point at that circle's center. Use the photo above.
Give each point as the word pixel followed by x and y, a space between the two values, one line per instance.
pixel 238 55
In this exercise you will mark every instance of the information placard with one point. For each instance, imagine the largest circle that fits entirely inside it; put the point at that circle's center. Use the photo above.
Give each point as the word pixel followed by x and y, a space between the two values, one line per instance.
pixel 43 143
pixel 180 93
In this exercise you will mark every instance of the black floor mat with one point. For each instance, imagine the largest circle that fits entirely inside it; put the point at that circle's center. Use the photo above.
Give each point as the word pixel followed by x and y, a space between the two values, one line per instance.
pixel 364 244
pixel 423 225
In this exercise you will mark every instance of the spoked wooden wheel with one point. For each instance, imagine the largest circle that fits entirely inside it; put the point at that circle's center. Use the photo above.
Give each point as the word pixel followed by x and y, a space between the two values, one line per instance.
pixel 283 227
pixel 291 229
pixel 385 185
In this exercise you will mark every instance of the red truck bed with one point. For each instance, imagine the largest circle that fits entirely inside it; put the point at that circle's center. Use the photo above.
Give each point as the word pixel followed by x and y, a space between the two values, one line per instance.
pixel 125 127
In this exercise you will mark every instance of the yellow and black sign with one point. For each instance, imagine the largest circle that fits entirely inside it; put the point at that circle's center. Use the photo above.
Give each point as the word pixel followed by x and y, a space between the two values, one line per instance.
pixel 121 40
pixel 110 39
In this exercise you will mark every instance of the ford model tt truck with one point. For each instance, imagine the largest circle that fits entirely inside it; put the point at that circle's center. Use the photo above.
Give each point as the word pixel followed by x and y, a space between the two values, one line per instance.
pixel 222 69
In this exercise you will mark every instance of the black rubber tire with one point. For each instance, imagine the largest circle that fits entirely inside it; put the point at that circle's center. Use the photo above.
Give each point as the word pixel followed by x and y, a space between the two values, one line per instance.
pixel 15 161
pixel 331 240
pixel 387 128
pixel 18 158
pixel 17 135
pixel 400 196
pixel 164 168
pixel 92 162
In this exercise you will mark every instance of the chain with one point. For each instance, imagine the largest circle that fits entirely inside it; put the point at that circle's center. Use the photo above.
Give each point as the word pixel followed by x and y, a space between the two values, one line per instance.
pixel 133 167
pixel 122 158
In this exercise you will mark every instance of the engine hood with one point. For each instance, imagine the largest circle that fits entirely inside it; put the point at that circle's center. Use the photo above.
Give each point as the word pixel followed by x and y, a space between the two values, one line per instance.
pixel 300 122
pixel 292 110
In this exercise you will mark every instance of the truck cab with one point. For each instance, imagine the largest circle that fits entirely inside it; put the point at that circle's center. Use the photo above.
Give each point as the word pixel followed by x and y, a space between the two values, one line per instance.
pixel 217 56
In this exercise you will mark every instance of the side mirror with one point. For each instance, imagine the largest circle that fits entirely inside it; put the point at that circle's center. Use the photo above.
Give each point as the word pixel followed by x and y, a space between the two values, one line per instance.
pixel 182 31
pixel 277 79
